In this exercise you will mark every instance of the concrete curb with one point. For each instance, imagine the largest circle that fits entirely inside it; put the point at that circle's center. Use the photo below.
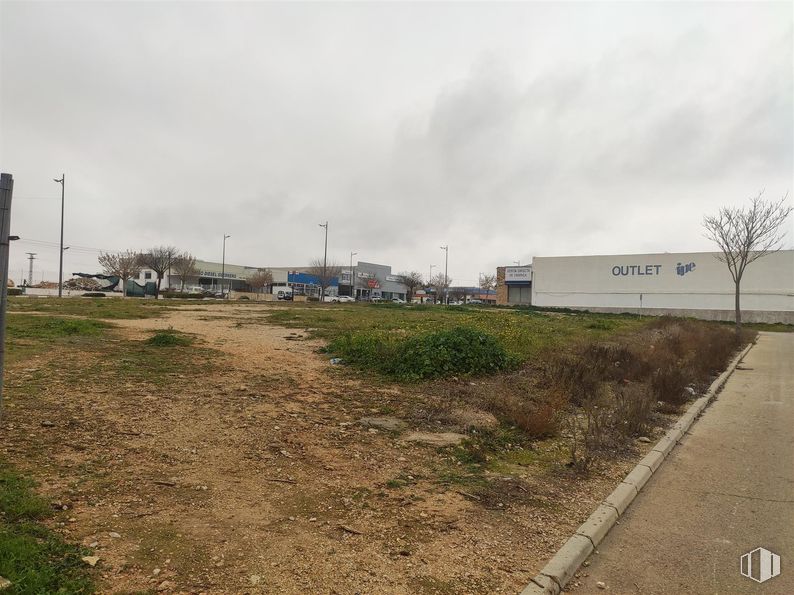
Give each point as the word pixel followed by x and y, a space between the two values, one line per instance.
pixel 564 564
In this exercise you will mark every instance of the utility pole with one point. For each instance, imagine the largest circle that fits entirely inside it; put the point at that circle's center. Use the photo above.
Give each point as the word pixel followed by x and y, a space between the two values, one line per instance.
pixel 6 190
pixel 223 265
pixel 446 278
pixel 62 182
pixel 352 276
pixel 31 258
pixel 325 262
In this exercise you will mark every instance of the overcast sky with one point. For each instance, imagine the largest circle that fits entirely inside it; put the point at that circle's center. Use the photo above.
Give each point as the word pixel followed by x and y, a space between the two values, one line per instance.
pixel 504 130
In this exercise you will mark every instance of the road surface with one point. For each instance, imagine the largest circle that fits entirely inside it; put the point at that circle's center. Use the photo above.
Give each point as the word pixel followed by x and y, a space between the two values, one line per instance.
pixel 727 489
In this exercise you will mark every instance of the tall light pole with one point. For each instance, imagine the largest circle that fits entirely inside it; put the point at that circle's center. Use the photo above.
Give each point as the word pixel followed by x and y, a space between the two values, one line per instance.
pixel 446 278
pixel 325 262
pixel 62 182
pixel 223 265
pixel 430 278
pixel 352 276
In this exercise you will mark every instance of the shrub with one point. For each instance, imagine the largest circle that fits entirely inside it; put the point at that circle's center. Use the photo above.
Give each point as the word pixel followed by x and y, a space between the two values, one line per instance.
pixel 458 351
pixel 15 291
pixel 633 406
pixel 538 417
pixel 168 338
pixel 94 294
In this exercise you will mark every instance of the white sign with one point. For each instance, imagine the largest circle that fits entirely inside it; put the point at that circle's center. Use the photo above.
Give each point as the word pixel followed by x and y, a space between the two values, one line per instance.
pixel 394 278
pixel 518 273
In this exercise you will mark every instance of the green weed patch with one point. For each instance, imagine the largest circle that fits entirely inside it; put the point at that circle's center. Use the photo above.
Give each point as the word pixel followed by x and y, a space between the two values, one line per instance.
pixel 33 558
pixel 461 351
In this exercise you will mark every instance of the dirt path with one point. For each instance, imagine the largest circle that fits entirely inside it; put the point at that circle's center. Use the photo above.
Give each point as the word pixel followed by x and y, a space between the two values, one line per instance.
pixel 258 478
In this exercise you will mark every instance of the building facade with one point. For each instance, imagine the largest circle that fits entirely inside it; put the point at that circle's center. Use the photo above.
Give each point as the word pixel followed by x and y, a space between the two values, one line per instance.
pixel 688 284
pixel 371 281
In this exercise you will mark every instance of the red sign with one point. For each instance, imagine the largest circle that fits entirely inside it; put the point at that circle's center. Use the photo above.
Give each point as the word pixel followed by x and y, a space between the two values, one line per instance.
pixel 373 283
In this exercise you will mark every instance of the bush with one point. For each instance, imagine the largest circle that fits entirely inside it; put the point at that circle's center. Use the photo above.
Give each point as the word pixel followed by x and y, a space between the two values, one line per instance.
pixel 168 338
pixel 15 291
pixel 460 351
pixel 94 294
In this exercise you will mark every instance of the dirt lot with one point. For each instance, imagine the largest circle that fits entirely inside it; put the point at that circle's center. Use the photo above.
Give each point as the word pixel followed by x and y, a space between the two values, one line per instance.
pixel 256 475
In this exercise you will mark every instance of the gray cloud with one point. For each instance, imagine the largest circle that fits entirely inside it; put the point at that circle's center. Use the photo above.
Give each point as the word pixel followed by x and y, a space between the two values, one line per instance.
pixel 505 130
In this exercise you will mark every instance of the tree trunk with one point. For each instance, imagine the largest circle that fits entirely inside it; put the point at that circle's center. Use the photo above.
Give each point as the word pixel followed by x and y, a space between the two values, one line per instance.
pixel 738 309
pixel 124 288
pixel 157 293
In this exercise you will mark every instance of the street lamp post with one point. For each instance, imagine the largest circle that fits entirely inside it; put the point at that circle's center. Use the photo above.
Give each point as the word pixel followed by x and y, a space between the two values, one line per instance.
pixel 446 278
pixel 430 278
pixel 62 182
pixel 352 277
pixel 223 266
pixel 325 262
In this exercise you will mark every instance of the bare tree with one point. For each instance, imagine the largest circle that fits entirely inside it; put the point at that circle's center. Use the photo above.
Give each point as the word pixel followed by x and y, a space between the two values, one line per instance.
pixel 325 272
pixel 160 259
pixel 440 283
pixel 745 234
pixel 411 280
pixel 184 265
pixel 260 279
pixel 487 282
pixel 124 265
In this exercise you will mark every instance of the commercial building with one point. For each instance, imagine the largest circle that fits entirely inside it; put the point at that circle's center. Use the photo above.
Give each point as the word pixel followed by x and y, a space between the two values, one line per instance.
pixel 371 281
pixel 687 284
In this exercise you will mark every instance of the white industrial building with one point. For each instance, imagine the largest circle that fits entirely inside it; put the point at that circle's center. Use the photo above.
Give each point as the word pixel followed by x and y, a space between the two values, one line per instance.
pixel 687 284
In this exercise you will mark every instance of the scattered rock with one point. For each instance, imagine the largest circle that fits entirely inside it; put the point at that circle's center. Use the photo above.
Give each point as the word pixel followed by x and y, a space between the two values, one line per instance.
pixel 165 586
pixel 336 361
pixel 47 424
pixel 690 390
pixel 643 439
pixel 436 438
pixel 601 585
pixel 254 579
pixel 350 530
pixel 155 572
pixel 114 535
pixel 384 423
pixel 4 583
pixel 90 560
pixel 93 544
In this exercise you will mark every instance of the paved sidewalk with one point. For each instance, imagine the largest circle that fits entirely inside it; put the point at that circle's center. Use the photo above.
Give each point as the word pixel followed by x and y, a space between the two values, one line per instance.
pixel 725 490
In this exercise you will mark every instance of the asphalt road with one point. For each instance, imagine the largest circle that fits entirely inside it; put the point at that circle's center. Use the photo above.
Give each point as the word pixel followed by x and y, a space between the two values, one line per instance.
pixel 727 489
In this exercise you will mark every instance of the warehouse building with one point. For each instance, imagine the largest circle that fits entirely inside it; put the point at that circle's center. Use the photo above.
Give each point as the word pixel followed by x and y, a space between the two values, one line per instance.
pixel 686 284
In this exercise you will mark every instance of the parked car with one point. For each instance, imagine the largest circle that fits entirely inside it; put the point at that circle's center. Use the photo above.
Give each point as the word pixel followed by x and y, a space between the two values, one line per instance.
pixel 341 299
pixel 284 295
pixel 397 301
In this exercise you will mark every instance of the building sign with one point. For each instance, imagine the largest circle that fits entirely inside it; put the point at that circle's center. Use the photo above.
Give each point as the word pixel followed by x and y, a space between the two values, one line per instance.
pixel 373 284
pixel 214 274
pixel 361 275
pixel 518 274
pixel 683 269
pixel 394 278
pixel 344 278
pixel 631 270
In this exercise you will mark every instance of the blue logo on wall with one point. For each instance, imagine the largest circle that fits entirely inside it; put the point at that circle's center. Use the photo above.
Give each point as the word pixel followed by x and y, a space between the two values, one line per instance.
pixel 683 269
